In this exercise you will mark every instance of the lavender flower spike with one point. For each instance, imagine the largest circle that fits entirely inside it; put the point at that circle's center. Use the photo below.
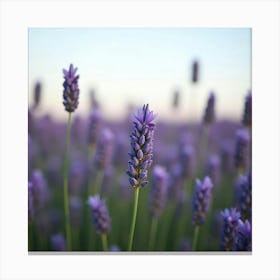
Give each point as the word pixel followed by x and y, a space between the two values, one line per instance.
pixel 209 114
pixel 241 148
pixel 94 126
pixel 141 147
pixel 201 200
pixel 100 215
pixel 244 239
pixel 230 229
pixel 247 115
pixel 37 94
pixel 70 89
pixel 158 190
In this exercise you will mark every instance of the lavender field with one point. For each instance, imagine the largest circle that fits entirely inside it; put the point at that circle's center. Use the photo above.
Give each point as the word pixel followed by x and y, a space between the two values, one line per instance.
pixel 139 184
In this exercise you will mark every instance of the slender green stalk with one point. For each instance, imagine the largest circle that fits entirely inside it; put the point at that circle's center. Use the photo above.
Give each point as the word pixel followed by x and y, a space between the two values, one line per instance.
pixel 65 186
pixel 195 238
pixel 153 233
pixel 104 242
pixel 132 228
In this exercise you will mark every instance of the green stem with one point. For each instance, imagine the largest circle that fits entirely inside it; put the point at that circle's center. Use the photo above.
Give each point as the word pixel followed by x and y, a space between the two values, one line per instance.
pixel 195 238
pixel 65 186
pixel 104 242
pixel 132 228
pixel 153 233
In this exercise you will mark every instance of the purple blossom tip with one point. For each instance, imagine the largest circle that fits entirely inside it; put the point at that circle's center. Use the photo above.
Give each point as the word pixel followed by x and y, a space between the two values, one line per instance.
pixel 247 114
pixel 70 89
pixel 209 114
pixel 244 238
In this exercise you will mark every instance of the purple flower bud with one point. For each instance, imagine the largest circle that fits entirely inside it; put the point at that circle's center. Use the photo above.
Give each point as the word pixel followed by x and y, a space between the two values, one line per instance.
pixel 213 169
pixel 241 148
pixel 158 190
pixel 100 215
pixel 70 89
pixel 201 200
pixel 229 229
pixel 244 238
pixel 58 242
pixel 195 71
pixel 141 146
pixel 244 196
pixel 247 115
pixel 37 94
pixel 94 126
pixel 209 115
pixel 104 149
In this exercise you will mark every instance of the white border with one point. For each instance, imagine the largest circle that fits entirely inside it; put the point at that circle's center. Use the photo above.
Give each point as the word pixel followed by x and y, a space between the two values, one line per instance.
pixel 17 16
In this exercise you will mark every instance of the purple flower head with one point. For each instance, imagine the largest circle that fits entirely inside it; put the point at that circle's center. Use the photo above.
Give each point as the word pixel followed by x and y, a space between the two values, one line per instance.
pixel 244 196
pixel 209 114
pixel 104 149
pixel 141 152
pixel 158 190
pixel 241 148
pixel 37 95
pixel 195 71
pixel 229 229
pixel 100 215
pixel 187 159
pixel 70 89
pixel 247 115
pixel 94 126
pixel 244 238
pixel 201 200
pixel 213 169
pixel 58 242
pixel 30 203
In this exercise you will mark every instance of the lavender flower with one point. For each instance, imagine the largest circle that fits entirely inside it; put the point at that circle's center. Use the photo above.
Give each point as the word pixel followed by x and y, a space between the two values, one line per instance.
pixel 141 147
pixel 158 190
pixel 30 203
pixel 247 115
pixel 176 99
pixel 77 175
pixel 201 200
pixel 187 159
pixel 209 114
pixel 213 169
pixel 71 89
pixel 229 229
pixel 37 95
pixel 244 196
pixel 104 149
pixel 94 126
pixel 100 216
pixel 195 71
pixel 58 242
pixel 241 148
pixel 226 154
pixel 244 238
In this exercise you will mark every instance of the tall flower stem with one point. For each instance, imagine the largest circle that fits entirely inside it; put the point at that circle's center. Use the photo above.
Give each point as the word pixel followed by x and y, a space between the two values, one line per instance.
pixel 65 186
pixel 104 242
pixel 132 228
pixel 195 238
pixel 153 233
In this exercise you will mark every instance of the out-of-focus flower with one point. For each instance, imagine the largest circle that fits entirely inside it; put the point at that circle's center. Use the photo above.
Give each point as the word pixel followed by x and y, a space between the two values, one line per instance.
pixel 37 95
pixel 104 149
pixel 70 89
pixel 244 238
pixel 158 190
pixel 94 126
pixel 77 176
pixel 229 229
pixel 195 71
pixel 100 215
pixel 30 203
pixel 201 200
pixel 213 169
pixel 209 114
pixel 176 99
pixel 114 248
pixel 247 114
pixel 241 148
pixel 187 160
pixel 58 242
pixel 141 147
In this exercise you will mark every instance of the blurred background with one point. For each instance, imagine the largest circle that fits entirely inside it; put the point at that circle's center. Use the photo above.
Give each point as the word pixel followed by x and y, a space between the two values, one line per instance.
pixel 127 67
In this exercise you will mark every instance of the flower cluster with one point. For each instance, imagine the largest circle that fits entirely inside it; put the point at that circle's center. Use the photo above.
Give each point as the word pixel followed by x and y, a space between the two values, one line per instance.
pixel 158 190
pixel 70 89
pixel 100 215
pixel 201 200
pixel 141 147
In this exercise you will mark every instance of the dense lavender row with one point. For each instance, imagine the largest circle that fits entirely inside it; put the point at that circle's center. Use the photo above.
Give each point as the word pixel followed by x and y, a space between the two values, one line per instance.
pixel 139 184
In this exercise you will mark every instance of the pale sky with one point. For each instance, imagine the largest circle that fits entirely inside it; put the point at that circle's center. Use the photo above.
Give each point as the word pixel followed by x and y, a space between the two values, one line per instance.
pixel 143 65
